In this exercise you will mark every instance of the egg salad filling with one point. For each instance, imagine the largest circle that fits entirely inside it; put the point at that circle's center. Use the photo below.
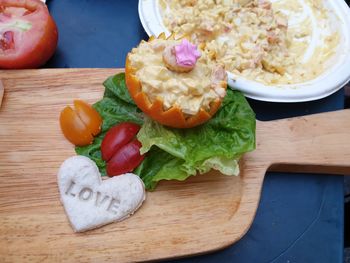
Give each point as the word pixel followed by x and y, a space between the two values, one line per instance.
pixel 272 42
pixel 189 91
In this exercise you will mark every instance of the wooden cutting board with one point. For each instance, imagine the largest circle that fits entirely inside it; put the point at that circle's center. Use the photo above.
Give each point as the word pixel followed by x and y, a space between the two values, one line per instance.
pixel 205 213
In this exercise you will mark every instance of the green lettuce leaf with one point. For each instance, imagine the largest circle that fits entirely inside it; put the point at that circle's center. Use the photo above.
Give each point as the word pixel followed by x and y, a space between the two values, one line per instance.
pixel 217 144
pixel 115 107
pixel 176 154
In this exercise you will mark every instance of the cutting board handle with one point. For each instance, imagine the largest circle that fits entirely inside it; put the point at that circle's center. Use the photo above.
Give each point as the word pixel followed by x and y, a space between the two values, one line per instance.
pixel 317 143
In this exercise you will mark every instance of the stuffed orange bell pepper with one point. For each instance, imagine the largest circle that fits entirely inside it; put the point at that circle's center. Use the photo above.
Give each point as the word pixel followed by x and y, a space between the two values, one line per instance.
pixel 174 82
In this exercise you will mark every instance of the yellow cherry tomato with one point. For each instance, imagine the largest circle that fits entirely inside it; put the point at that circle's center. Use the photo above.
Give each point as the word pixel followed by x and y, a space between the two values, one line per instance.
pixel 90 117
pixel 81 124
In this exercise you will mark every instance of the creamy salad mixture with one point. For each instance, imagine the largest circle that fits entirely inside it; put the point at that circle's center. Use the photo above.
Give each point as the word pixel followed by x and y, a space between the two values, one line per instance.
pixel 188 90
pixel 273 42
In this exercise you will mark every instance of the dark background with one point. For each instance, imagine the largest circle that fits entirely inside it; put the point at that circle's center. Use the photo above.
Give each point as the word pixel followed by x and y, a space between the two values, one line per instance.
pixel 347 189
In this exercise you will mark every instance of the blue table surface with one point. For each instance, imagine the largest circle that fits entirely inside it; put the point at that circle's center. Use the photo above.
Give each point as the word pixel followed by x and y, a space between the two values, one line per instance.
pixel 300 216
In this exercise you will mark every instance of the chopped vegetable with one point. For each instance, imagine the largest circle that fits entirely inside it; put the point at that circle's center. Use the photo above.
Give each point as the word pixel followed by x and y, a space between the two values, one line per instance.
pixel 117 137
pixel 126 159
pixel 89 116
pixel 80 125
pixel 120 149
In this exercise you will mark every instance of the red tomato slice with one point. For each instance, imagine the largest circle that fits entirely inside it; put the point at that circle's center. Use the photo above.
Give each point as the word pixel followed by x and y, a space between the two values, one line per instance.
pixel 28 34
pixel 126 159
pixel 117 137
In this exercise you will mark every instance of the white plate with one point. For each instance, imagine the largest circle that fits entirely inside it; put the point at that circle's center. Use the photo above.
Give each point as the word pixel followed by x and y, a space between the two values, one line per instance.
pixel 327 83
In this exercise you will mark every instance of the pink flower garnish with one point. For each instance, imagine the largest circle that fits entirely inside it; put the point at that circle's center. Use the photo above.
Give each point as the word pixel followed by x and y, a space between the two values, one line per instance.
pixel 186 54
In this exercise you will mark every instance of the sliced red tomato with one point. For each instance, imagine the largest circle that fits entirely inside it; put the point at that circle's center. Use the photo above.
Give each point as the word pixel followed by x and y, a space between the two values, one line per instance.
pixel 28 34
pixel 80 125
pixel 117 137
pixel 120 149
pixel 126 159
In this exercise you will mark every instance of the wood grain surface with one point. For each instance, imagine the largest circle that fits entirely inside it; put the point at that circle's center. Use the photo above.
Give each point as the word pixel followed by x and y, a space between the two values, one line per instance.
pixel 205 213
pixel 1 92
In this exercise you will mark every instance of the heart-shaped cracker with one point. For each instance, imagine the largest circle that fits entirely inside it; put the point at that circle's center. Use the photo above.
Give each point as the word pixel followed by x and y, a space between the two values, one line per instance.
pixel 91 202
